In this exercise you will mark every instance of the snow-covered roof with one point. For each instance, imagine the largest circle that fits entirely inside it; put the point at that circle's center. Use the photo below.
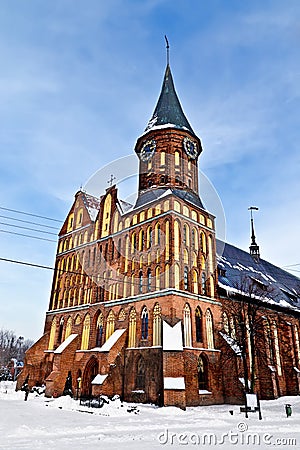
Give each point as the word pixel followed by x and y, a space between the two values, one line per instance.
pixel 65 344
pixel 99 379
pixel 112 340
pixel 174 383
pixel 239 270
pixel 235 347
pixel 172 337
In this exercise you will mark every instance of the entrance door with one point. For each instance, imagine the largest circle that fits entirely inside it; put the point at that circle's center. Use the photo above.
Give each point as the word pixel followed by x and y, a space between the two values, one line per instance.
pixel 91 370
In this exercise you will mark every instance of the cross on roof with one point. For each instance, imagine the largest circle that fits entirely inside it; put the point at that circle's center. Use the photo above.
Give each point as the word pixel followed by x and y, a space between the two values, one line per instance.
pixel 112 178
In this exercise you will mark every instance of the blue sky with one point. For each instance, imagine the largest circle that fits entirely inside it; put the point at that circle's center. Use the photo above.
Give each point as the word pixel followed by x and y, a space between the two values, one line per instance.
pixel 79 82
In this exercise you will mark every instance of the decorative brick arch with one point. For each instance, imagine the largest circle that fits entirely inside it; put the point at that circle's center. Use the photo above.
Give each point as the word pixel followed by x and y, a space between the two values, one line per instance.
pixel 89 373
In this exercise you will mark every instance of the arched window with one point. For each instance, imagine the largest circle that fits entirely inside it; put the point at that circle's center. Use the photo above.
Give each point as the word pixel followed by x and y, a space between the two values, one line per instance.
pixel 141 282
pixel 203 283
pixel 110 324
pixel 99 330
pixel 149 237
pixel 277 348
pixel 269 341
pixel 149 280
pixel 157 325
pixel 126 253
pixel 210 254
pixel 211 286
pixel 185 256
pixel 225 323
pixel 209 329
pixel 167 276
pixel 186 278
pixel 297 344
pixel 187 326
pixel 132 285
pixel 144 323
pixel 132 328
pixel 60 330
pixel 198 322
pixel 162 158
pixel 141 240
pixel 177 158
pixel 195 281
pixel 157 279
pixel 140 374
pixel 203 242
pixel 176 276
pixel 167 240
pixel 176 240
pixel 133 242
pixel 52 334
pixel 68 327
pixel 185 234
pixel 157 234
pixel 202 374
pixel 85 333
pixel 119 248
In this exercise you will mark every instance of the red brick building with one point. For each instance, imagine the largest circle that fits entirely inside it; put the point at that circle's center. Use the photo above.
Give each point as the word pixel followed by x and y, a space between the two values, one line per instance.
pixel 142 295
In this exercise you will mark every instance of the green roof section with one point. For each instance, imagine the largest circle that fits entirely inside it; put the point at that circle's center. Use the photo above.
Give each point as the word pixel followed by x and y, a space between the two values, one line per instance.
pixel 168 111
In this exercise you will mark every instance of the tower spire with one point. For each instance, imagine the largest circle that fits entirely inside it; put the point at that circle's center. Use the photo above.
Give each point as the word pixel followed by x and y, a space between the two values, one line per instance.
pixel 168 50
pixel 254 248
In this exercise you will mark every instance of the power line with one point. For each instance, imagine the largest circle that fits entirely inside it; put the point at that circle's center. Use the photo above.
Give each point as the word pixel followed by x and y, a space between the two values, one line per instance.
pixel 27 228
pixel 28 221
pixel 292 265
pixel 27 235
pixel 30 214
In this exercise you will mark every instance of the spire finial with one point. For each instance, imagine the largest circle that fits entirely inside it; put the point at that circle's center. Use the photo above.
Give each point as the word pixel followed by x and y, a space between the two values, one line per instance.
pixel 168 50
pixel 254 248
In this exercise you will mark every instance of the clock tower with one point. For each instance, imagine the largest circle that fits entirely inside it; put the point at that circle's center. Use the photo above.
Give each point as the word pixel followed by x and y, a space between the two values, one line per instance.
pixel 168 150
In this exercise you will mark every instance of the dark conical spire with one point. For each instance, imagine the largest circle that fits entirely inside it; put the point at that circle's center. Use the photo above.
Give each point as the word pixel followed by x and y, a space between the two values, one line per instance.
pixel 168 110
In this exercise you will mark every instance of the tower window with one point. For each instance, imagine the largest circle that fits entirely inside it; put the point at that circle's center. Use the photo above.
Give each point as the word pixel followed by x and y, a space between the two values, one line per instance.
pixel 141 283
pixel 145 323
pixel 186 278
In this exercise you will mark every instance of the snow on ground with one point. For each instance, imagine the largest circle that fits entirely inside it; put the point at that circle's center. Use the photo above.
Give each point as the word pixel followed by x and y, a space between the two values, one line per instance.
pixel 62 423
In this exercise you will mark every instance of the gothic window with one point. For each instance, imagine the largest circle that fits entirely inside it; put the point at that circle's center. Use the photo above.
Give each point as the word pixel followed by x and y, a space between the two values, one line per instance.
pixel 194 259
pixel 176 240
pixel 132 285
pixel 133 242
pixel 68 327
pixel 185 256
pixel 193 239
pixel 99 330
pixel 209 329
pixel 52 335
pixel 186 278
pixel 163 179
pixel 186 235
pixel 277 348
pixel 157 325
pixel 198 323
pixel 177 158
pixel 195 281
pixel 202 374
pixel 210 254
pixel 141 282
pixel 157 279
pixel 167 240
pixel 167 276
pixel 269 341
pixel 203 283
pixel 60 330
pixel 126 253
pixel 149 237
pixel 225 323
pixel 141 240
pixel 203 242
pixel 163 158
pixel 132 328
pixel 297 344
pixel 144 323
pixel 140 374
pixel 187 326
pixel 211 286
pixel 157 234
pixel 119 248
pixel 85 333
pixel 149 280
pixel 110 324
pixel 176 276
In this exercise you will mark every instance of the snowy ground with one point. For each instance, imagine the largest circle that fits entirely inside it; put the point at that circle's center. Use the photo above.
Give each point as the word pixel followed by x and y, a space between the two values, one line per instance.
pixel 62 423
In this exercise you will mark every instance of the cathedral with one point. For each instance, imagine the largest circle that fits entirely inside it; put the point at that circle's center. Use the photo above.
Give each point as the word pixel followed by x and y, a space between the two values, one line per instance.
pixel 147 304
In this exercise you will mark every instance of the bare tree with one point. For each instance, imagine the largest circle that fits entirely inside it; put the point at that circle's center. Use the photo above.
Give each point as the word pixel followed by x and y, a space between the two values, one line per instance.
pixel 12 346
pixel 243 326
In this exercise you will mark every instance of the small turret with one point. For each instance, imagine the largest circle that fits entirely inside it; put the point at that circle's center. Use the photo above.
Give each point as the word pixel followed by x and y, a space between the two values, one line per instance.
pixel 254 248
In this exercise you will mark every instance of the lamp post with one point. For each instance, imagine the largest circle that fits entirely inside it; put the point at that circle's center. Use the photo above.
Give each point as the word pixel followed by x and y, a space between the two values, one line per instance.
pixel 78 386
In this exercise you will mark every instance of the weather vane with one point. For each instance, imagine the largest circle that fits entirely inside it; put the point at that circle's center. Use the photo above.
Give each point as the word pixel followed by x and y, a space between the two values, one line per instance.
pixel 168 50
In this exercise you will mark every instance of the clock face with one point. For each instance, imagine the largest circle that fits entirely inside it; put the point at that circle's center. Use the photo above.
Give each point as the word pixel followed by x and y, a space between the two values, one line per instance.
pixel 148 150
pixel 190 147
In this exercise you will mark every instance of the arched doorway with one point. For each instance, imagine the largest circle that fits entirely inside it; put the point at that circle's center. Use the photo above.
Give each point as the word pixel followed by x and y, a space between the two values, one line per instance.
pixel 90 371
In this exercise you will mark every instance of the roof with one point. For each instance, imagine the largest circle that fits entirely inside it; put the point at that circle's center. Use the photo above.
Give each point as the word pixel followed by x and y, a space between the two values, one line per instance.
pixel 240 269
pixel 153 194
pixel 168 111
pixel 92 204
